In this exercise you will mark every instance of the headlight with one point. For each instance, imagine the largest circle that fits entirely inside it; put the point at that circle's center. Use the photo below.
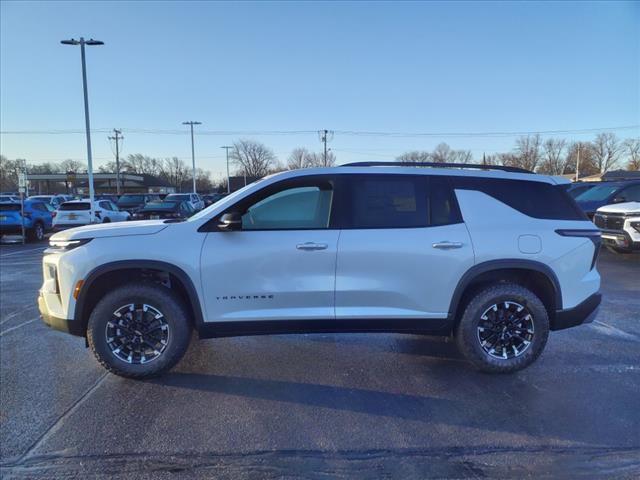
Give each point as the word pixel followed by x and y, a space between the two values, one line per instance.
pixel 58 246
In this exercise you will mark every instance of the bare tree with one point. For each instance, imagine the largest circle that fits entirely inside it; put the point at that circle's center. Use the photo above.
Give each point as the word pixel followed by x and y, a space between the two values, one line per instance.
pixel 70 165
pixel 253 158
pixel 414 156
pixel 9 170
pixel 587 166
pixel 141 164
pixel 174 171
pixel 443 154
pixel 606 149
pixel 463 156
pixel 527 152
pixel 298 159
pixel 318 160
pixel 553 161
pixel 632 147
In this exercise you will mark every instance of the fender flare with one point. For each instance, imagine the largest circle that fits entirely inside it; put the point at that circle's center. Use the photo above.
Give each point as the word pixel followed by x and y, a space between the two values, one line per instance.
pixel 491 265
pixel 142 264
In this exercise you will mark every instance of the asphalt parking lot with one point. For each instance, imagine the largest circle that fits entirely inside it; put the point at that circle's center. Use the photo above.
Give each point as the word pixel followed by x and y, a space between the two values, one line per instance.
pixel 321 406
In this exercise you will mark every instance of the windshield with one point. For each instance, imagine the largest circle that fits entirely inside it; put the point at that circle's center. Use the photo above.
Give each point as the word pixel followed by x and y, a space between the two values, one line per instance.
pixel 131 199
pixel 228 198
pixel 160 206
pixel 178 196
pixel 597 194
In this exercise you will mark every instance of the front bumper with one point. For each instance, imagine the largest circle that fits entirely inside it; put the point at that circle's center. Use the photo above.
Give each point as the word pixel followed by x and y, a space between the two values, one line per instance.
pixel 584 312
pixel 619 239
pixel 61 324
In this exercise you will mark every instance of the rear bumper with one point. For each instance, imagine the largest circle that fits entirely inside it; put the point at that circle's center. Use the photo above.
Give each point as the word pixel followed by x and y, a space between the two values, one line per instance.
pixel 584 312
pixel 61 324
pixel 13 229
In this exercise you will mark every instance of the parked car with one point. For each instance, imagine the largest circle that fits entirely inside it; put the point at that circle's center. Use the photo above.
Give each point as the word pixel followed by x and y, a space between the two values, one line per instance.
pixel 77 213
pixel 102 196
pixel 607 194
pixel 9 198
pixel 55 200
pixel 164 209
pixel 494 256
pixel 576 189
pixel 193 198
pixel 37 219
pixel 620 225
pixel 212 198
pixel 135 201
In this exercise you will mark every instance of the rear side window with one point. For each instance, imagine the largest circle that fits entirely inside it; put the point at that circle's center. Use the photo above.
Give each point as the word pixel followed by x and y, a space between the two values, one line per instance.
pixel 74 206
pixel 535 199
pixel 39 206
pixel 388 201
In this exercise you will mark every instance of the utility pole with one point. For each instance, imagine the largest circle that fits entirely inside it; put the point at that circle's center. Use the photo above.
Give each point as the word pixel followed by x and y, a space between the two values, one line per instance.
pixel 82 42
pixel 193 155
pixel 117 136
pixel 227 147
pixel 325 135
pixel 578 164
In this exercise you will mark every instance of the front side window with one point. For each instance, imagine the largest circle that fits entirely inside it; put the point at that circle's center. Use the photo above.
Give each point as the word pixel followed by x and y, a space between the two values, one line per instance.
pixel 631 194
pixel 306 207
pixel 392 201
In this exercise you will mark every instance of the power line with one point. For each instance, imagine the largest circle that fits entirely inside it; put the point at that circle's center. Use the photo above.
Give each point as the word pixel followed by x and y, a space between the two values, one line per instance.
pixel 337 132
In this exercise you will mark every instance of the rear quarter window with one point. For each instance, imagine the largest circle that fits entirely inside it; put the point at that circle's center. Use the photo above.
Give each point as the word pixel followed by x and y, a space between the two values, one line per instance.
pixel 74 206
pixel 534 199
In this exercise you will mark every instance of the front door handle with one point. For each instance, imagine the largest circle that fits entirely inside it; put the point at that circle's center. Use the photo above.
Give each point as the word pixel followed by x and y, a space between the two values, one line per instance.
pixel 311 246
pixel 446 245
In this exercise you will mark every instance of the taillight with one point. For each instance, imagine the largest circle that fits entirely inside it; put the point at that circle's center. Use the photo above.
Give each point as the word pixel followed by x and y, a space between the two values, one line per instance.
pixel 593 235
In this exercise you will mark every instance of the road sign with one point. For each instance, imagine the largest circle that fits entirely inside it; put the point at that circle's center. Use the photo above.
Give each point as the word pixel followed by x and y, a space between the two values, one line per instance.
pixel 22 180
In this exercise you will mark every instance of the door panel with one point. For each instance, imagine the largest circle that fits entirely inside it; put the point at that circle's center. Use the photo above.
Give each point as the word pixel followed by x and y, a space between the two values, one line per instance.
pixel 397 273
pixel 263 275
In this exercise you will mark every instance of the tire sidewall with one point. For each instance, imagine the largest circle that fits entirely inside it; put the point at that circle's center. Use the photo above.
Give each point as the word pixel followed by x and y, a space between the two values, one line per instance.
pixel 154 295
pixel 468 336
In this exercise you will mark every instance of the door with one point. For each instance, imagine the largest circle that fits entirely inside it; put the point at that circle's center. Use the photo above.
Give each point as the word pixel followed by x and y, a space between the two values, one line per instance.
pixel 279 264
pixel 403 250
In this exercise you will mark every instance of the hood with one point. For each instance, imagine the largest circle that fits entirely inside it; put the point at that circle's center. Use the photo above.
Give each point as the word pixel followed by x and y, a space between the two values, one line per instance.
pixel 116 229
pixel 626 207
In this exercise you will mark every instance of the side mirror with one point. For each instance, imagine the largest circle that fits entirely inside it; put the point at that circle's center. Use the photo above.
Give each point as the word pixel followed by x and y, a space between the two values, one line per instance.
pixel 230 221
pixel 619 200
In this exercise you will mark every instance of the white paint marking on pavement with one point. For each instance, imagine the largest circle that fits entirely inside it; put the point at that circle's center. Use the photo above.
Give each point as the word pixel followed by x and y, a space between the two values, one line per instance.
pixel 42 249
pixel 18 326
pixel 613 331
pixel 15 314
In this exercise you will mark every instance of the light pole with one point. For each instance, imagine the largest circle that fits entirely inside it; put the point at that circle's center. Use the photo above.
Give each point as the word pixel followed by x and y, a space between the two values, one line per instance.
pixel 82 42
pixel 227 147
pixel 193 155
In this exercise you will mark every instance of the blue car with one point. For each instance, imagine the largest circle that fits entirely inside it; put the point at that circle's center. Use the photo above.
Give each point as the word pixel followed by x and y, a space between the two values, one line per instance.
pixel 607 194
pixel 37 219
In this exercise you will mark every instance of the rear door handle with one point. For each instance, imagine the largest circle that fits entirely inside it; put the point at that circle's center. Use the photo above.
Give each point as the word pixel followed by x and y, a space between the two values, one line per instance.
pixel 446 245
pixel 311 246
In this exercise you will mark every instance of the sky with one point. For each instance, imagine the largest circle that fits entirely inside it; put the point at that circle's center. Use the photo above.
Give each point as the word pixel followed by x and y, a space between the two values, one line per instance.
pixel 436 68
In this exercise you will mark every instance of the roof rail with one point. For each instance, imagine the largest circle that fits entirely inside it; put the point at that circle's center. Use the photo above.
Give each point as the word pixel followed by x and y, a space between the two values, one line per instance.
pixel 438 165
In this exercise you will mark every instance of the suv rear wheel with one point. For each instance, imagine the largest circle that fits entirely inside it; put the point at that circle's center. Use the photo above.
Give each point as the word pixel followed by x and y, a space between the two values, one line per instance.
pixel 36 233
pixel 504 328
pixel 139 330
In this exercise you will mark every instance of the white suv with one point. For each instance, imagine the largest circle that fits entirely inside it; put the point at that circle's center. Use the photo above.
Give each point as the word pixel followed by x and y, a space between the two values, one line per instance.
pixel 495 257
pixel 78 212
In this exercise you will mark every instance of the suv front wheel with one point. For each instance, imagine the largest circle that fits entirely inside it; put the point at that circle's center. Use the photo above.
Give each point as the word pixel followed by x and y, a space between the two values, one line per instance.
pixel 139 330
pixel 504 328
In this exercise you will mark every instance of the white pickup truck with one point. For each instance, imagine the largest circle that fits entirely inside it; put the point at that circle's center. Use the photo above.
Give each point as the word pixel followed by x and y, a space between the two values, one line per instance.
pixel 620 225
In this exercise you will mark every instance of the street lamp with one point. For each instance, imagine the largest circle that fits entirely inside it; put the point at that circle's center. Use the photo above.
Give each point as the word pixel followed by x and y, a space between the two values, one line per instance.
pixel 82 42
pixel 227 147
pixel 193 155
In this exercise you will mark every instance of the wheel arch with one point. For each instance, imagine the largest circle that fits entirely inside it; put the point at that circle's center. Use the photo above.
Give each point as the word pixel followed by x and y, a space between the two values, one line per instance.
pixel 99 277
pixel 536 276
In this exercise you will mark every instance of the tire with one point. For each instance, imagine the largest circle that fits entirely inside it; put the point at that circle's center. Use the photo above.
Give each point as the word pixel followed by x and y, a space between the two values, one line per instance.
pixel 483 328
pixel 36 233
pixel 106 220
pixel 171 331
